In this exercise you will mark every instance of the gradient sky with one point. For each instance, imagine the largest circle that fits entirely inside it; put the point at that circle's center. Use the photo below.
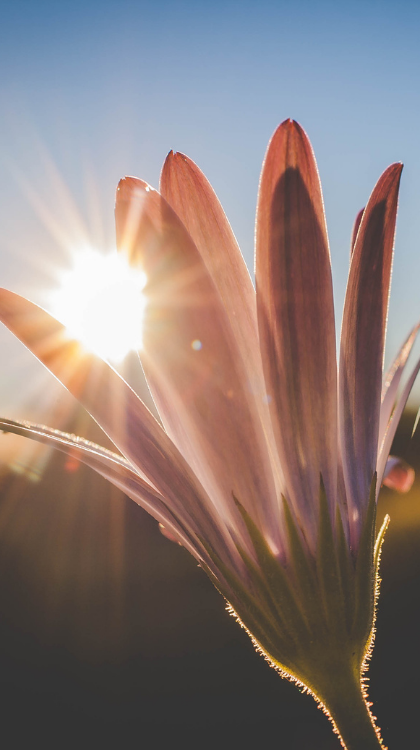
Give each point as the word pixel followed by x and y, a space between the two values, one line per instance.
pixel 90 91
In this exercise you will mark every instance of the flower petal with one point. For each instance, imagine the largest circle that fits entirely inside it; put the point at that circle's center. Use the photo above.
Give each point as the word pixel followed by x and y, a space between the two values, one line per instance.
pixel 194 201
pixel 362 343
pixel 192 363
pixel 119 412
pixel 356 226
pixel 296 318
pixel 392 380
pixel 398 475
pixel 393 424
pixel 109 465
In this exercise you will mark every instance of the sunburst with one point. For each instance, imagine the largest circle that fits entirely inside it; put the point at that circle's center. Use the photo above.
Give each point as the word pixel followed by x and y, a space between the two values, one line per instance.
pixel 101 302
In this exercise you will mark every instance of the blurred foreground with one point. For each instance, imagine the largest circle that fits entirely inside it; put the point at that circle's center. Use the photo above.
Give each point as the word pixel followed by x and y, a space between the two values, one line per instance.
pixel 107 628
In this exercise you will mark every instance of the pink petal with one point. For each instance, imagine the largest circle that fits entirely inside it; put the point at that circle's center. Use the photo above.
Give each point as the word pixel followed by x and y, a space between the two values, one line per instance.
pixel 296 318
pixel 356 226
pixel 194 201
pixel 362 343
pixel 168 533
pixel 120 413
pixel 109 465
pixel 398 475
pixel 392 380
pixel 192 363
pixel 393 424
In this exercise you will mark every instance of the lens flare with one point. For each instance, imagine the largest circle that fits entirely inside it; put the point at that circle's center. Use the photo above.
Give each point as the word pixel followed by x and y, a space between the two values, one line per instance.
pixel 100 300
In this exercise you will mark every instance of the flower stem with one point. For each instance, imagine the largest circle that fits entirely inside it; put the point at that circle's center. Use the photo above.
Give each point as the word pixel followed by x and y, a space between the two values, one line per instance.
pixel 350 713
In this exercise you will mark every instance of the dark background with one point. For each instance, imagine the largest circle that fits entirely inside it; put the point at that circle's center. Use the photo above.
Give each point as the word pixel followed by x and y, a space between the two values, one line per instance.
pixel 110 633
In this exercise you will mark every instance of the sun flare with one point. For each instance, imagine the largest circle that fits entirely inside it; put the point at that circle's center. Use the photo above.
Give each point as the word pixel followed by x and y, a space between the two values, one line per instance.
pixel 100 300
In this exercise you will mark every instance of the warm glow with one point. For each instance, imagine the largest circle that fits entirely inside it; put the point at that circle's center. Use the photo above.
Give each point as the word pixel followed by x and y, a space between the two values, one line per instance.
pixel 101 302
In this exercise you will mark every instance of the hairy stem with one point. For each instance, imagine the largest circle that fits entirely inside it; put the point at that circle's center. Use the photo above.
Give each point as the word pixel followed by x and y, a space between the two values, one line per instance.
pixel 348 709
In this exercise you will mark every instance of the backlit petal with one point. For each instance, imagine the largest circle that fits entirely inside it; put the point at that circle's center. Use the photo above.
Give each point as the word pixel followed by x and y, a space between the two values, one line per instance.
pixel 194 201
pixel 119 412
pixel 191 361
pixel 356 226
pixel 109 465
pixel 362 343
pixel 392 380
pixel 296 319
pixel 393 424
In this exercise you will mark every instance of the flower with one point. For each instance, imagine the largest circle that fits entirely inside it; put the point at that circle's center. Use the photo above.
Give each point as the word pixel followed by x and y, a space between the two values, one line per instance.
pixel 268 461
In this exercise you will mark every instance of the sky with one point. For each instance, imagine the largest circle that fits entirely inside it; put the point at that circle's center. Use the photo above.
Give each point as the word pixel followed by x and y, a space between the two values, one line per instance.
pixel 91 91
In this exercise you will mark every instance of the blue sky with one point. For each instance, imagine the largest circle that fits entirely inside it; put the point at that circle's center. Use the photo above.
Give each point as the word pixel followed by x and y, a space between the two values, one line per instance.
pixel 90 91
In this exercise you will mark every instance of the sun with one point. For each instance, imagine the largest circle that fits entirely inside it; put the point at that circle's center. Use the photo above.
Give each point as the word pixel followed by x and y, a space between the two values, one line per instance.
pixel 101 302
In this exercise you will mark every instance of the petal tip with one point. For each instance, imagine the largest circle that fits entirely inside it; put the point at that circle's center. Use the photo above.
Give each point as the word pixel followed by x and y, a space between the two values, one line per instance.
pixel 293 126
pixel 394 170
pixel 289 122
pixel 291 140
pixel 177 157
pixel 175 166
pixel 129 185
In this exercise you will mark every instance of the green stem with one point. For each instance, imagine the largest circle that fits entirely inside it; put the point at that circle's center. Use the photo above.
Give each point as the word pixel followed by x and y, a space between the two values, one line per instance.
pixel 349 711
